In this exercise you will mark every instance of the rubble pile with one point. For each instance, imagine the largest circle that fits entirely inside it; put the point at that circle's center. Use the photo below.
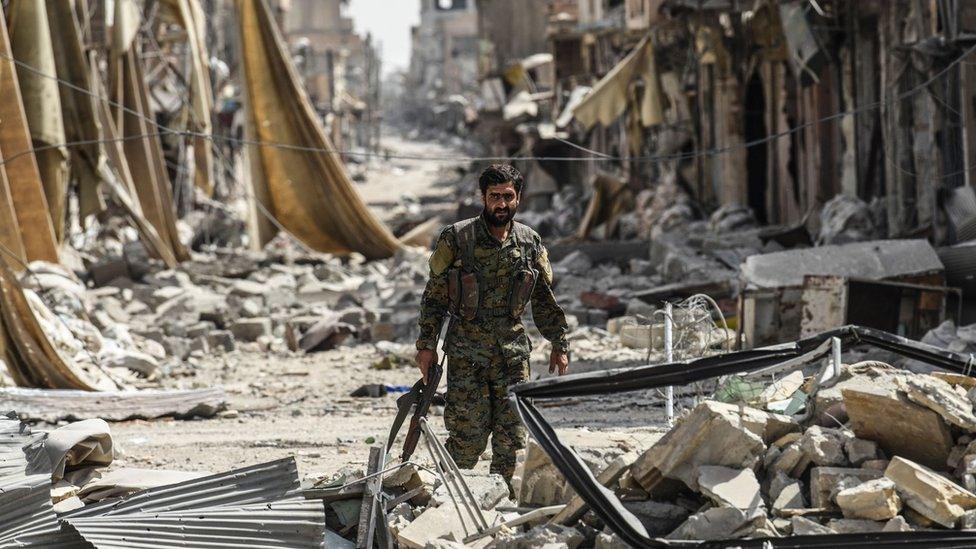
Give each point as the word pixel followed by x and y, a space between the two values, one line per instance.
pixel 143 322
pixel 875 449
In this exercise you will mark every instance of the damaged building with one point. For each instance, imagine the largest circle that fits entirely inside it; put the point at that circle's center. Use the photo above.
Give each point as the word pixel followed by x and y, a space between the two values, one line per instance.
pixel 215 229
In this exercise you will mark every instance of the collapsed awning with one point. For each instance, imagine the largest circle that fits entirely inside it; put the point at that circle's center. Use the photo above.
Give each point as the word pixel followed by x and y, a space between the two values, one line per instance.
pixel 297 177
pixel 609 98
pixel 610 509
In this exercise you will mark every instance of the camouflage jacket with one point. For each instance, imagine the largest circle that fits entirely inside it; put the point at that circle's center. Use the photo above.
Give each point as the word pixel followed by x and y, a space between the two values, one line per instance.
pixel 490 335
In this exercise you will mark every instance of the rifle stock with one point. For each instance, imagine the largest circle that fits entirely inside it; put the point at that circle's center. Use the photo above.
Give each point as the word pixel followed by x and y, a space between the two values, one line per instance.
pixel 422 407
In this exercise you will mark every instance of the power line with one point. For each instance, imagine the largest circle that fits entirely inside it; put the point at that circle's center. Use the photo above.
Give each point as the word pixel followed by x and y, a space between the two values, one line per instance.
pixel 654 158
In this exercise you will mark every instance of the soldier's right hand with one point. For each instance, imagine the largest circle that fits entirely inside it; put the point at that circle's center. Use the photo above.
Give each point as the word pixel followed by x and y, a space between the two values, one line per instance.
pixel 425 358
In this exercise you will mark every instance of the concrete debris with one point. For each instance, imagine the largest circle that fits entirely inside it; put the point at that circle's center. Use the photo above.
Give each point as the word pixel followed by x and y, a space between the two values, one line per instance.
pixel 728 487
pixel 873 500
pixel 928 493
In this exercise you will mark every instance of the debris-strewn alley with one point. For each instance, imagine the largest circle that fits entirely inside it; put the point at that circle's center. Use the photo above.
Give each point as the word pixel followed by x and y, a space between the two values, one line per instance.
pixel 494 274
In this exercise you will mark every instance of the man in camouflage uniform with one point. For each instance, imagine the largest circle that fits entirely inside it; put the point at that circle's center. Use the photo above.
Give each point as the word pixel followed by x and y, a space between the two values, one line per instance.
pixel 486 345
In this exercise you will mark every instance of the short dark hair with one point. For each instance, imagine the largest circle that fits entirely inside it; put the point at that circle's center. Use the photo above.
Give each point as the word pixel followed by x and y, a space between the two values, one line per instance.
pixel 499 174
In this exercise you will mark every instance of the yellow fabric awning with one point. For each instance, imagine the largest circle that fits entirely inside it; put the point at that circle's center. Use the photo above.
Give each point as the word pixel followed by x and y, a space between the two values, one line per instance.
pixel 306 190
pixel 609 97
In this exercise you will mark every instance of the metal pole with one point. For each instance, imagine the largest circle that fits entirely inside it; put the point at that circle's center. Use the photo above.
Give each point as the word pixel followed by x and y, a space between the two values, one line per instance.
pixel 836 343
pixel 669 358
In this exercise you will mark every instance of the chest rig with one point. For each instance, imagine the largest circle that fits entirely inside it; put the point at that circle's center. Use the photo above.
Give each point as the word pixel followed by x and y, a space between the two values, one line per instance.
pixel 466 283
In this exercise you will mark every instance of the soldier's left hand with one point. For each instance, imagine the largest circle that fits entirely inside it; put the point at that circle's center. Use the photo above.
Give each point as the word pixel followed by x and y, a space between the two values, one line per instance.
pixel 558 361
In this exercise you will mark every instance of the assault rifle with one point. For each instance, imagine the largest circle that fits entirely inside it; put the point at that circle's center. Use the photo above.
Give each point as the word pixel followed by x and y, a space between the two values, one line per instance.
pixel 419 398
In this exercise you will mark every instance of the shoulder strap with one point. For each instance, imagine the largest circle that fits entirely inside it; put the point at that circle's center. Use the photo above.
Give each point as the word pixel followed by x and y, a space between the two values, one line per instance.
pixel 524 240
pixel 465 239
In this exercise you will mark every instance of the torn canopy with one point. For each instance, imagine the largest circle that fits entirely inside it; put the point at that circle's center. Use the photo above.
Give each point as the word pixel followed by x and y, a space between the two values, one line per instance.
pixel 610 509
pixel 306 189
pixel 30 42
pixel 140 134
pixel 25 222
pixel 610 97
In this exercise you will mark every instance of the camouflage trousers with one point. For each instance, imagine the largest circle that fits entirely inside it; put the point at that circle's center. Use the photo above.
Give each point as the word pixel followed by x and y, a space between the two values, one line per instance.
pixel 478 406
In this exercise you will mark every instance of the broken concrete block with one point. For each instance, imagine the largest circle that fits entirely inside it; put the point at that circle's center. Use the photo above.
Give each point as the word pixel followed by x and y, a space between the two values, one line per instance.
pixel 729 487
pixel 790 497
pixel 247 288
pixel 803 526
pixel 221 339
pixel 792 461
pixel 859 450
pixel 897 524
pixel 824 446
pixel 543 484
pixel 487 491
pixel 250 329
pixel 635 336
pixel 854 526
pixel 777 483
pixel 717 523
pixel 714 433
pixel 909 430
pixel 116 357
pixel 824 479
pixel 876 464
pixel 609 540
pixel 549 535
pixel 928 493
pixel 872 500
pixel 658 518
pixel 436 523
pixel 938 396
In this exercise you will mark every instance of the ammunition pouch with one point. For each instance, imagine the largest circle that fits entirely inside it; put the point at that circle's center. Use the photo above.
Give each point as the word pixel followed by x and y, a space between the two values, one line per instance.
pixel 521 292
pixel 463 293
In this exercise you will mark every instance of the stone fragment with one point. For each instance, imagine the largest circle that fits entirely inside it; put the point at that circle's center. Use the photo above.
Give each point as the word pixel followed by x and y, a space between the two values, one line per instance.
pixel 609 540
pixel 876 464
pixel 854 526
pixel 777 483
pixel 117 357
pixel 824 446
pixel 549 536
pixel 908 430
pixel 928 493
pixel 872 500
pixel 729 487
pixel 658 518
pixel 543 484
pixel 824 479
pixel 715 524
pixel 247 288
pixel 713 433
pixel 487 491
pixel 250 329
pixel 200 329
pixel 860 451
pixel 792 461
pixel 938 396
pixel 435 523
pixel 803 526
pixel 221 339
pixel 968 520
pixel 897 524
pixel 790 497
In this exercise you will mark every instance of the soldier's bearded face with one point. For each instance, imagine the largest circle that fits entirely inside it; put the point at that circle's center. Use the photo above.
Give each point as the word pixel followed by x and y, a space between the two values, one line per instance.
pixel 501 202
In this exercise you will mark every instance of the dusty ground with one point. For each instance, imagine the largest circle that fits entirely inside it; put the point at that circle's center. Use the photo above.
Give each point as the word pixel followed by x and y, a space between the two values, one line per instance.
pixel 299 405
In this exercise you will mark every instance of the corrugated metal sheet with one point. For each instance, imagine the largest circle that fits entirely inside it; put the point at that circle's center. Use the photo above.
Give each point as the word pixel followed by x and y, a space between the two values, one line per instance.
pixel 52 405
pixel 13 436
pixel 26 512
pixel 261 483
pixel 960 265
pixel 295 523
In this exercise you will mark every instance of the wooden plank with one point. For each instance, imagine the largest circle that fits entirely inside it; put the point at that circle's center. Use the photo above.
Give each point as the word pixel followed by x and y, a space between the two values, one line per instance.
pixel 367 519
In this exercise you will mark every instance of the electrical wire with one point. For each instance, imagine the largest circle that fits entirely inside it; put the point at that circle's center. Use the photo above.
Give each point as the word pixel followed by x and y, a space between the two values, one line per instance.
pixel 653 158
